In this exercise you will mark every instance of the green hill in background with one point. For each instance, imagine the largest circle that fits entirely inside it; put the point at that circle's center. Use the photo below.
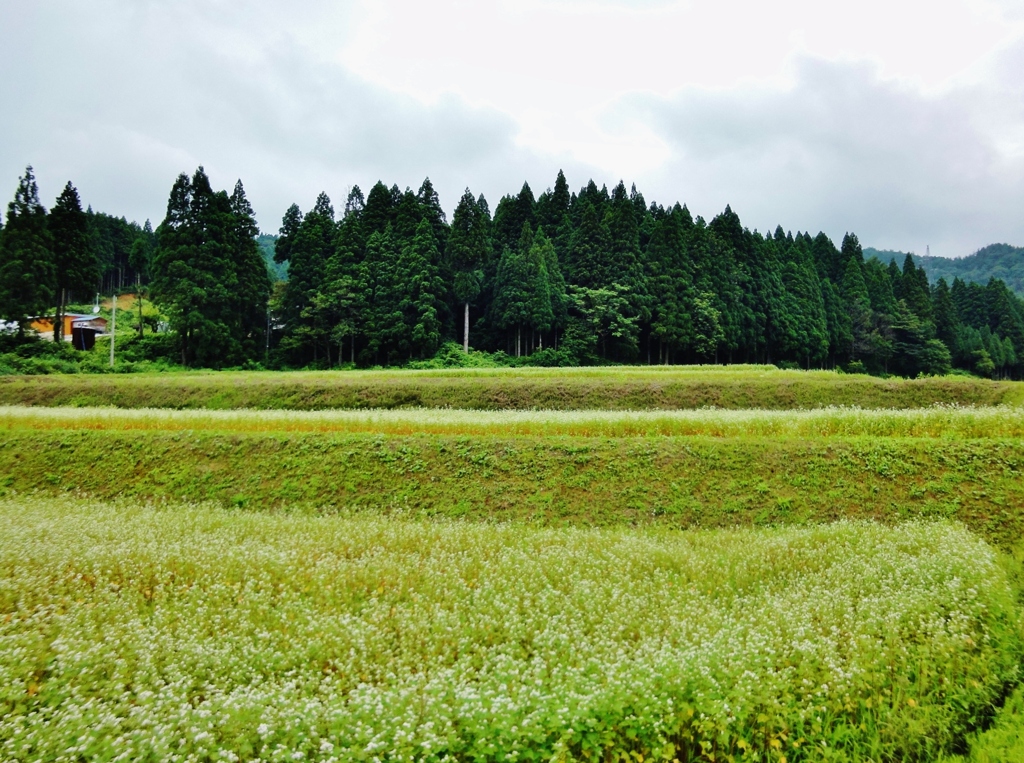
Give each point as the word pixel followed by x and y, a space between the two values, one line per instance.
pixel 993 261
pixel 267 244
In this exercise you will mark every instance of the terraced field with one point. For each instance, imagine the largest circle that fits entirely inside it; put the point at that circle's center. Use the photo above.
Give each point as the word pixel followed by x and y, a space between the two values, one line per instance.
pixel 815 584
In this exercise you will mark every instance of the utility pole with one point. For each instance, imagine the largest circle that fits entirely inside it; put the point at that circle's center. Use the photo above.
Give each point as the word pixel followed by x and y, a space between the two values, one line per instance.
pixel 113 326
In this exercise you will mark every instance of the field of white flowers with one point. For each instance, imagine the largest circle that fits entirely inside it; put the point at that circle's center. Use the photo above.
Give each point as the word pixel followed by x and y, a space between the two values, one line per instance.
pixel 191 633
pixel 942 421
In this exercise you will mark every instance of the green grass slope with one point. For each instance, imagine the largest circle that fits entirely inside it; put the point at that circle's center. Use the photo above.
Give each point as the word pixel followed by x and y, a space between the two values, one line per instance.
pixel 666 481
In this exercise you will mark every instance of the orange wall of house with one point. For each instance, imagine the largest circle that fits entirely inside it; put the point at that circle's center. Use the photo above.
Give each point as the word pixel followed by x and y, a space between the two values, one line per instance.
pixel 45 325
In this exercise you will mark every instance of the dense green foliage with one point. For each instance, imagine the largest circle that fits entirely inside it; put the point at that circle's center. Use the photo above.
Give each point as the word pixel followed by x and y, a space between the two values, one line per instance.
pixel 209 275
pixel 66 256
pixel 76 266
pixel 186 633
pixel 629 388
pixel 571 279
pixel 26 257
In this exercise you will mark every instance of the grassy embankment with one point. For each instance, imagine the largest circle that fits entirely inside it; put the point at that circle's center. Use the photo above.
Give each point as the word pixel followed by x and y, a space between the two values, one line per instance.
pixel 682 469
pixel 192 633
pixel 643 388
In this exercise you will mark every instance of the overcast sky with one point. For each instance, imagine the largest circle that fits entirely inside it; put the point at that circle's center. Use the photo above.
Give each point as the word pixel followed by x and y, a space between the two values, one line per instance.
pixel 901 121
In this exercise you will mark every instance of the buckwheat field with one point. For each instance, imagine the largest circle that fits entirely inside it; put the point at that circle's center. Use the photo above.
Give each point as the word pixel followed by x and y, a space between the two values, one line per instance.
pixel 192 633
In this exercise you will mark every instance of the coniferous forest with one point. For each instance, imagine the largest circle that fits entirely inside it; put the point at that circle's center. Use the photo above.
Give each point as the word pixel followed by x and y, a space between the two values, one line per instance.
pixel 560 278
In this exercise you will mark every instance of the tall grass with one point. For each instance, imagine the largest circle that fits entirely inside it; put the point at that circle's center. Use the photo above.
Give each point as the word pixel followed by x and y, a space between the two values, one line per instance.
pixel 644 388
pixel 940 421
pixel 192 633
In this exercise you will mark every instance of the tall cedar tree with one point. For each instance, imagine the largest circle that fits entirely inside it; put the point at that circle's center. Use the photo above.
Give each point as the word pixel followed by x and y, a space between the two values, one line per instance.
pixel 76 267
pixel 522 297
pixel 307 333
pixel 289 229
pixel 199 274
pixel 467 253
pixel 253 293
pixel 422 290
pixel 27 272
pixel 383 321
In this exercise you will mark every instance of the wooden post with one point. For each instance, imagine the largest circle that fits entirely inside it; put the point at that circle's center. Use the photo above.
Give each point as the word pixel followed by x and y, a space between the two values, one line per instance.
pixel 113 327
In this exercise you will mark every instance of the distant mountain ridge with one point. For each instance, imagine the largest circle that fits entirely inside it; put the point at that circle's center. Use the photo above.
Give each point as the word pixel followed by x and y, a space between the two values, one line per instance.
pixel 993 261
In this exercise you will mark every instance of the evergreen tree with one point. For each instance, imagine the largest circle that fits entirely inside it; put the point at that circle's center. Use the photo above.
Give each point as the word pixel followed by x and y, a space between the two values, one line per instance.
pixel 840 326
pixel 914 290
pixel 380 209
pixel 431 211
pixel 857 303
pixel 195 275
pixel 509 306
pixel 744 306
pixel 354 203
pixel 557 292
pixel 625 266
pixel 408 214
pixel 75 263
pixel 468 252
pixel 422 290
pixel 879 285
pixel 253 278
pixel 304 309
pixel 589 251
pixel 289 229
pixel 552 206
pixel 670 277
pixel 27 271
pixel 522 297
pixel 510 216
pixel 383 321
pixel 947 323
pixel 140 259
pixel 896 279
pixel 827 259
pixel 850 250
pixel 806 316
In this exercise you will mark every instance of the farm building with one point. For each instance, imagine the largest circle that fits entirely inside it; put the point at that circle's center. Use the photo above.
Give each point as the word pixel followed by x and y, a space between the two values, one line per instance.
pixel 79 329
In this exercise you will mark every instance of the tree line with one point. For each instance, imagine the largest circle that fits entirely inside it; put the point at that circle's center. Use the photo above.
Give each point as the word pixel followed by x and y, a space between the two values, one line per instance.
pixel 51 259
pixel 563 278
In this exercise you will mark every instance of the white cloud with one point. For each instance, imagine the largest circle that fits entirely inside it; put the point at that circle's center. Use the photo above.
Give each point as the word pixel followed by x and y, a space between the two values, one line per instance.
pixel 901 119
pixel 843 150
pixel 122 106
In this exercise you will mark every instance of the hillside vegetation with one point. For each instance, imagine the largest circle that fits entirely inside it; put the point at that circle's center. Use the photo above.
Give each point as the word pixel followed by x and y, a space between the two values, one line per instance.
pixel 1001 261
